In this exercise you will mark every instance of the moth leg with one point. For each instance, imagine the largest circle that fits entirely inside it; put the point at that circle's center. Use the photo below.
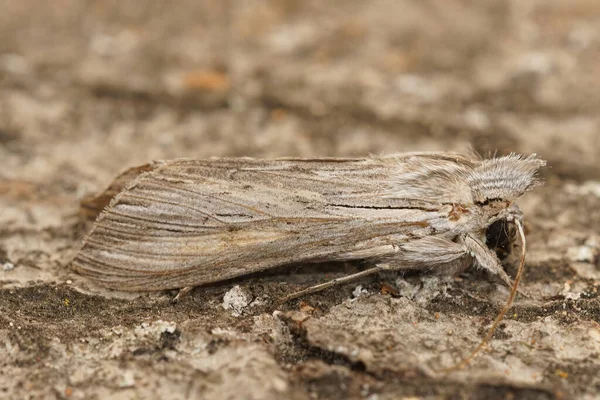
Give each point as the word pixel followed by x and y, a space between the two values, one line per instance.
pixel 432 253
pixel 335 282
pixel 486 258
pixel 183 292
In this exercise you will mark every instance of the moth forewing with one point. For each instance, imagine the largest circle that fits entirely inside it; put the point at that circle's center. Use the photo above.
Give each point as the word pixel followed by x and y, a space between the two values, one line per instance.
pixel 190 222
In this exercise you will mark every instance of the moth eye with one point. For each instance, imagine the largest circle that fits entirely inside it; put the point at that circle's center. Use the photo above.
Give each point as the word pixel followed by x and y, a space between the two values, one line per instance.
pixel 499 237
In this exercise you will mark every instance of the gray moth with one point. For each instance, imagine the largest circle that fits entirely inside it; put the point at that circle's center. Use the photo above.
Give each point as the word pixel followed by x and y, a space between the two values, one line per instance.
pixel 182 223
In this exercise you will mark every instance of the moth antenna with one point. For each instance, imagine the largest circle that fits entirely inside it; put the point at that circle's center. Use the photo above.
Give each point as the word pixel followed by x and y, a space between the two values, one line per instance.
pixel 465 361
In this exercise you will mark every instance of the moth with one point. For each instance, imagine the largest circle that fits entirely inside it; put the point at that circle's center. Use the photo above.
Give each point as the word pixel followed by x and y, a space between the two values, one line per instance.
pixel 183 223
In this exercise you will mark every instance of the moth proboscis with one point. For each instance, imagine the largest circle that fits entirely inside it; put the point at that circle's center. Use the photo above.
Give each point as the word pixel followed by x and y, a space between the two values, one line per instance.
pixel 182 223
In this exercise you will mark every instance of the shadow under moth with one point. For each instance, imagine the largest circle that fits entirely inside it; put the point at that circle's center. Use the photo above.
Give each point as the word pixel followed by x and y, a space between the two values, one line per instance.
pixel 181 223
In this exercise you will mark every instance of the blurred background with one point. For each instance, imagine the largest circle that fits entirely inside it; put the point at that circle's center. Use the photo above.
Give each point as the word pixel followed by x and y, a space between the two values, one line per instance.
pixel 88 88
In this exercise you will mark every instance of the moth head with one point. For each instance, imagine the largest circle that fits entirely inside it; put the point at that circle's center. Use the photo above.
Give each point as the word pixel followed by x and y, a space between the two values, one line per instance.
pixel 501 231
pixel 499 236
pixel 503 179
